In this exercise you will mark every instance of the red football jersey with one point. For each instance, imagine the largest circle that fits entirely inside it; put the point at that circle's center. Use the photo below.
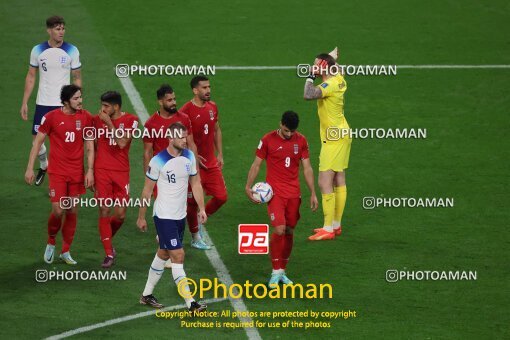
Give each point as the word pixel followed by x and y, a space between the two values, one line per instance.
pixel 156 123
pixel 282 159
pixel 66 140
pixel 109 155
pixel 203 119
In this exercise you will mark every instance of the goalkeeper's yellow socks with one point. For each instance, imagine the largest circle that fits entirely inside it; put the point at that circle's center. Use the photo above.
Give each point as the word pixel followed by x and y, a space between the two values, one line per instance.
pixel 328 208
pixel 340 198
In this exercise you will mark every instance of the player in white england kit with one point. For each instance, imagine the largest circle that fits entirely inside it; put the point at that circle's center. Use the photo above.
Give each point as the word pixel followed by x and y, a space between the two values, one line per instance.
pixel 56 61
pixel 171 169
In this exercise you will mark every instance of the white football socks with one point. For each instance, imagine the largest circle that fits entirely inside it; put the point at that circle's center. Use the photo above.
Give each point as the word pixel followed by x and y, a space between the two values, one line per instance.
pixel 336 225
pixel 43 159
pixel 179 274
pixel 155 273
pixel 328 228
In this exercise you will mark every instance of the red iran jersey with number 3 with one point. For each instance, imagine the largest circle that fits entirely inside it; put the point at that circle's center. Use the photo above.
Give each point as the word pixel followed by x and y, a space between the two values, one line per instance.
pixel 203 119
pixel 109 155
pixel 156 123
pixel 283 157
pixel 66 140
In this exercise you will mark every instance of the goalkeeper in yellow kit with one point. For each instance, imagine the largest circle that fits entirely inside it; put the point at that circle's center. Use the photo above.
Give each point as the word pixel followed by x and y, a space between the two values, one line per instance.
pixel 335 141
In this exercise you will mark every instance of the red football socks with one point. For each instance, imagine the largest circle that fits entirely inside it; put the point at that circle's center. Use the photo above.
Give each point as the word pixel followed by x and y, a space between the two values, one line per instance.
pixel 54 224
pixel 276 249
pixel 214 204
pixel 192 217
pixel 68 231
pixel 115 224
pixel 287 249
pixel 105 232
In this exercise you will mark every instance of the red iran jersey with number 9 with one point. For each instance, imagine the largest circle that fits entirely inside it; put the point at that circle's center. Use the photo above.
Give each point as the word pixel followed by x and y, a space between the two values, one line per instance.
pixel 66 140
pixel 283 157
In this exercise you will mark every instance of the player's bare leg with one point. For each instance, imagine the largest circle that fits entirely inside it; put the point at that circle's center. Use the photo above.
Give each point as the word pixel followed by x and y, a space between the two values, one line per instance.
pixel 68 231
pixel 326 181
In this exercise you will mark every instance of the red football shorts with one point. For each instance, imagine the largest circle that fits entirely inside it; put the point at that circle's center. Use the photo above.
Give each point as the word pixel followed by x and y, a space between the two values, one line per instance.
pixel 212 183
pixel 65 186
pixel 284 211
pixel 111 184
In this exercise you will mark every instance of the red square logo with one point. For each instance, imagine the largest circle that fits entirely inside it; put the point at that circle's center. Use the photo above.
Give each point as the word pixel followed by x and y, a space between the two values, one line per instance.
pixel 253 239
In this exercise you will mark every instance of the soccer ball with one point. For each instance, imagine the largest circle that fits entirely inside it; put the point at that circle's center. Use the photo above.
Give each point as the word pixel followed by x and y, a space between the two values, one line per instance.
pixel 262 192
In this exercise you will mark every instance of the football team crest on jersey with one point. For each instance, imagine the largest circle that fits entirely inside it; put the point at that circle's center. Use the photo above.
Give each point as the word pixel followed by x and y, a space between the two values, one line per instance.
pixel 173 242
pixel 121 126
pixel 78 125
pixel 52 192
pixel 63 59
pixel 272 217
pixel 211 114
pixel 188 168
pixel 296 149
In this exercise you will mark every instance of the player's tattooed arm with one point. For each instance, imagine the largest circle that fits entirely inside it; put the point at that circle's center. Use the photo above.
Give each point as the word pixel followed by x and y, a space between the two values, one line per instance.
pixel 76 74
pixel 311 91
pixel 89 176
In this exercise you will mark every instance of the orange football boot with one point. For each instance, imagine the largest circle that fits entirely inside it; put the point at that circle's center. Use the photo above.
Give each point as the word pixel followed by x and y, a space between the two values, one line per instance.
pixel 322 235
pixel 337 232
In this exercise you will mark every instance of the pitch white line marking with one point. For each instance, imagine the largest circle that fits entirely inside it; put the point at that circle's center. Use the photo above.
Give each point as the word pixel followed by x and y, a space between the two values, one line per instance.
pixel 122 319
pixel 224 276
pixel 135 98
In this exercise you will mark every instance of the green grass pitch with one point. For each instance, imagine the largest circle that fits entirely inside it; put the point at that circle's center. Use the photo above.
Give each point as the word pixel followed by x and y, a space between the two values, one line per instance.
pixel 465 156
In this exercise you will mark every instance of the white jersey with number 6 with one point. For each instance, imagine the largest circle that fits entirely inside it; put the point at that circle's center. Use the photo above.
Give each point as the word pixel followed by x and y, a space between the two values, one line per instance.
pixel 55 65
pixel 172 175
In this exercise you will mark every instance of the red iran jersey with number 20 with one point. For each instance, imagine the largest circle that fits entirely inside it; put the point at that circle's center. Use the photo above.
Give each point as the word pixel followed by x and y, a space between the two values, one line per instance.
pixel 156 123
pixel 203 119
pixel 66 140
pixel 109 155
pixel 282 159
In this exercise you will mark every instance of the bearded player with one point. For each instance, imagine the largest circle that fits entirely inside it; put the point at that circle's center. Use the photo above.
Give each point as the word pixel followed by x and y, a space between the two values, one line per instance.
pixel 114 133
pixel 284 151
pixel 203 114
pixel 335 150
pixel 158 124
pixel 172 169
pixel 65 127
pixel 57 61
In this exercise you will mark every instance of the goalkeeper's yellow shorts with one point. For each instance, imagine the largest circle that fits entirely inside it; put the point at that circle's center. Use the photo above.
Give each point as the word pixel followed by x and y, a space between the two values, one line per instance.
pixel 335 155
